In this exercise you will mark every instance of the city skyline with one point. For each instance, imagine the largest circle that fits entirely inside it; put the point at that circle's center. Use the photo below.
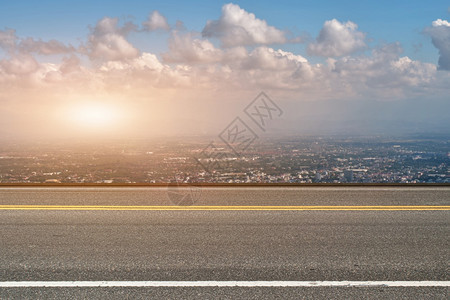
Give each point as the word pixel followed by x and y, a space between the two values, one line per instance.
pixel 295 160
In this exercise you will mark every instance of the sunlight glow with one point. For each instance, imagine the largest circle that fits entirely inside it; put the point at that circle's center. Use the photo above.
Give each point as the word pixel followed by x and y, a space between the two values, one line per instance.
pixel 95 114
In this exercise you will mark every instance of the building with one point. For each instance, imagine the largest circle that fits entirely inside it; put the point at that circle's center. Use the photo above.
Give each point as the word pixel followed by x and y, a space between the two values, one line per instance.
pixel 348 175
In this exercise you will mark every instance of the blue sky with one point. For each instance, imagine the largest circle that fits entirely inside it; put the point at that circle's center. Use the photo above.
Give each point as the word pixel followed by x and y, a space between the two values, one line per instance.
pixel 383 21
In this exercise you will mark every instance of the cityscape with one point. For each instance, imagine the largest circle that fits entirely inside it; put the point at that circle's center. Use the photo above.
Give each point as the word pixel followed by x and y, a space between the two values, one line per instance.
pixel 293 160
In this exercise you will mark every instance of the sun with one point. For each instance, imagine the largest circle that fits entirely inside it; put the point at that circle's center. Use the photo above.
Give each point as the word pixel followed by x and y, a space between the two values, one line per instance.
pixel 95 114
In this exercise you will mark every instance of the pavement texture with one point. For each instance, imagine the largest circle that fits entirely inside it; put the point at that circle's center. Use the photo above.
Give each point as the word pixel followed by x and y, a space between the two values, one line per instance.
pixel 226 245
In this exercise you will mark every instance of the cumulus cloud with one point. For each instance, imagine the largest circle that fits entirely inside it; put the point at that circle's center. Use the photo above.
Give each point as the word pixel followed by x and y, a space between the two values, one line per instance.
pixel 45 48
pixel 337 39
pixel 270 59
pixel 147 72
pixel 107 41
pixel 440 22
pixel 10 42
pixel 440 37
pixel 8 39
pixel 156 21
pixel 19 65
pixel 237 27
pixel 193 62
pixel 267 68
pixel 147 61
pixel 385 73
pixel 70 64
pixel 186 48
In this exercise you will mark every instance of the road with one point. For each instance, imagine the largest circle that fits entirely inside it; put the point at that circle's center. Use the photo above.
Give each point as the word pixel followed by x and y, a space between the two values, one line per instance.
pixel 221 245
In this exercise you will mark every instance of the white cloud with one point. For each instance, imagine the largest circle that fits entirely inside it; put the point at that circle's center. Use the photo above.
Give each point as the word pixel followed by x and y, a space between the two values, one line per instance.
pixel 440 22
pixel 13 44
pixel 188 49
pixel 70 64
pixel 440 37
pixel 237 27
pixel 337 39
pixel 265 58
pixel 156 21
pixel 196 64
pixel 147 61
pixel 384 74
pixel 8 39
pixel 19 65
pixel 107 41
pixel 45 48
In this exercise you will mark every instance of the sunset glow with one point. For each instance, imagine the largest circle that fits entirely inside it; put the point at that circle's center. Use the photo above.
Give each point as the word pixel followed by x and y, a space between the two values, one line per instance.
pixel 95 115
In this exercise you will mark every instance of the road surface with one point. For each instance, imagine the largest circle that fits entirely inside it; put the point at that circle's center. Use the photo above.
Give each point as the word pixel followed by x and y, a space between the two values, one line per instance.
pixel 46 245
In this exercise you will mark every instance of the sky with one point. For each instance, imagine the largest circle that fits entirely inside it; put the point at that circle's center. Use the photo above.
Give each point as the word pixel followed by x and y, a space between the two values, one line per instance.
pixel 158 68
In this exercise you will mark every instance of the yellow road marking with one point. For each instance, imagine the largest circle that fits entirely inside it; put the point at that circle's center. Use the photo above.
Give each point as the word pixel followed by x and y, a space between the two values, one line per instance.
pixel 220 207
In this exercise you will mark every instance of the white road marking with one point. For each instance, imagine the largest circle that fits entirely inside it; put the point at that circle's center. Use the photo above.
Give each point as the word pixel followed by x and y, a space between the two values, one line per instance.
pixel 27 284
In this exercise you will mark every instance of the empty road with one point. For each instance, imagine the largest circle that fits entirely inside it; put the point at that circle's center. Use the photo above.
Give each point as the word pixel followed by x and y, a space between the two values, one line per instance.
pixel 71 234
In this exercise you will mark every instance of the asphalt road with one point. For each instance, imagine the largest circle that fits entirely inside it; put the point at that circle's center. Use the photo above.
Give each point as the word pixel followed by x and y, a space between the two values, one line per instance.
pixel 75 245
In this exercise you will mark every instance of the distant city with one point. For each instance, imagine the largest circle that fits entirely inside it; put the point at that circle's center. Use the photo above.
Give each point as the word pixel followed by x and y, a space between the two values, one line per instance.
pixel 272 160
